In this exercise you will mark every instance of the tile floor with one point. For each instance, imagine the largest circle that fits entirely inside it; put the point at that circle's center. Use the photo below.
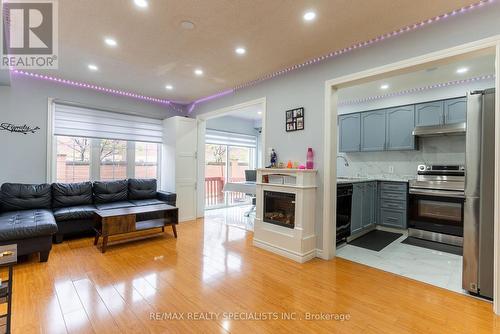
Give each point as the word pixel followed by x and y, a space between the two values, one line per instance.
pixel 233 216
pixel 426 265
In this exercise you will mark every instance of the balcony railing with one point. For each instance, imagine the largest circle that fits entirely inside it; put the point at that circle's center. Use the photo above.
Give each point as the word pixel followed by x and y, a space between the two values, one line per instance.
pixel 214 194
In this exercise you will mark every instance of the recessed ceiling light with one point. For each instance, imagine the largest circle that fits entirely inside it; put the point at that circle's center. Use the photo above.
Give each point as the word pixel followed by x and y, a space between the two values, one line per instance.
pixel 198 72
pixel 240 50
pixel 188 25
pixel 462 70
pixel 92 67
pixel 309 16
pixel 384 86
pixel 110 41
pixel 141 3
pixel 169 87
pixel 259 112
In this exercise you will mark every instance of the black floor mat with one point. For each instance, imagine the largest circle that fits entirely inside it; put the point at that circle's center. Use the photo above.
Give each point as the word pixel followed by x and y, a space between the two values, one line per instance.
pixel 375 240
pixel 433 245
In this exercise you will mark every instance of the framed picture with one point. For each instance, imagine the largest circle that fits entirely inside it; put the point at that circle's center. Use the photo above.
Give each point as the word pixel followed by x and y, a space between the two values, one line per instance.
pixel 294 119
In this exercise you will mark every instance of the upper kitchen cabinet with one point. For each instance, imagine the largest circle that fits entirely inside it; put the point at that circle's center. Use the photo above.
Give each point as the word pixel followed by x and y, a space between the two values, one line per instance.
pixel 455 110
pixel 400 124
pixel 349 133
pixel 373 130
pixel 430 113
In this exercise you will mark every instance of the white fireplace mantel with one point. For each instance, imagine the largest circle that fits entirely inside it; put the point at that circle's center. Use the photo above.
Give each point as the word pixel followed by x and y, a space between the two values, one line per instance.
pixel 297 243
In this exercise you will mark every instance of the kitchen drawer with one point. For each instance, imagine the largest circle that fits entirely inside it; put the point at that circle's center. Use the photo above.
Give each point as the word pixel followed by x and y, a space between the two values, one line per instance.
pixel 393 218
pixel 390 204
pixel 392 195
pixel 393 186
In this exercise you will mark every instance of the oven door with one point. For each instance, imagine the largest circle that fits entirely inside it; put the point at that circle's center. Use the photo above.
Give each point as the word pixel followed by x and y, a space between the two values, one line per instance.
pixel 437 211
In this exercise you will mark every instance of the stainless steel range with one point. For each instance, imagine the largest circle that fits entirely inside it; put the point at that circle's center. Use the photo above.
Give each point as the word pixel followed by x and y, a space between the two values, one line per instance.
pixel 436 204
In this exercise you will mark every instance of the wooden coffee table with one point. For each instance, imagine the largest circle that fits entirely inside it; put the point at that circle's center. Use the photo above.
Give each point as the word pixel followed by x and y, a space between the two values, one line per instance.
pixel 127 220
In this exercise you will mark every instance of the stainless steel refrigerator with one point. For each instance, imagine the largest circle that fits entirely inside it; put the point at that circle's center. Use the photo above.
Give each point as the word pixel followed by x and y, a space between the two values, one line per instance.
pixel 477 275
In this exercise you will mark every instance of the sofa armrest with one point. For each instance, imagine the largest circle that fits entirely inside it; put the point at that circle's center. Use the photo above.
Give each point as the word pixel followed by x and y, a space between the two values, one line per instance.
pixel 166 196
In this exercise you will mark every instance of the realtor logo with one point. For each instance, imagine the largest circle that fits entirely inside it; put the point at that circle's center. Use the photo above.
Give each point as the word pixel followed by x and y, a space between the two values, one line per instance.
pixel 29 34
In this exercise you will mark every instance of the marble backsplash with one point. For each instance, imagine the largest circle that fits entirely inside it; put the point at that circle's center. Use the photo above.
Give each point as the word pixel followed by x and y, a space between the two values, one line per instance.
pixel 431 150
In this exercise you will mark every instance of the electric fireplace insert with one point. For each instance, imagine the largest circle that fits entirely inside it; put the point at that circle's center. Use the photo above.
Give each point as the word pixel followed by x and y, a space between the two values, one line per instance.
pixel 279 208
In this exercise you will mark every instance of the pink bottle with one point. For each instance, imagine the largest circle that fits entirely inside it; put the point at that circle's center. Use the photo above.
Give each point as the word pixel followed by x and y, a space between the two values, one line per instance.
pixel 310 162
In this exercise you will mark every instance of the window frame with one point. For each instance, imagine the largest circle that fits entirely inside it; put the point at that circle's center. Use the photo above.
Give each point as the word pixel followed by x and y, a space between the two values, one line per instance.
pixel 95 159
pixel 51 163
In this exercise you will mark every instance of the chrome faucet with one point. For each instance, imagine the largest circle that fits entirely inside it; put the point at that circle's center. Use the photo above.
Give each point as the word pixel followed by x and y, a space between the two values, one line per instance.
pixel 346 163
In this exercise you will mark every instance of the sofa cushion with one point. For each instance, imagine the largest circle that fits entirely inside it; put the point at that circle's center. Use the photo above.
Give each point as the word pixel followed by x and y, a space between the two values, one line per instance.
pixel 16 196
pixel 143 202
pixel 74 213
pixel 114 205
pixel 71 194
pixel 26 224
pixel 110 191
pixel 141 189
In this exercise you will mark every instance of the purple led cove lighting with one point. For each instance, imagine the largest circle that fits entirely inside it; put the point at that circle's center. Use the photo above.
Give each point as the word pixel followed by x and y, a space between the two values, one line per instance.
pixel 90 86
pixel 417 90
pixel 208 98
pixel 360 45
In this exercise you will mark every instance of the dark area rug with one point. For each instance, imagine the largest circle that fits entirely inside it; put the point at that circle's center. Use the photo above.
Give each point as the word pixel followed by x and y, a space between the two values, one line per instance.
pixel 433 245
pixel 375 240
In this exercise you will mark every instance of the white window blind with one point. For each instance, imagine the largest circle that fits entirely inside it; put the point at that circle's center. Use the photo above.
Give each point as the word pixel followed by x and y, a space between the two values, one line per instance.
pixel 93 123
pixel 228 138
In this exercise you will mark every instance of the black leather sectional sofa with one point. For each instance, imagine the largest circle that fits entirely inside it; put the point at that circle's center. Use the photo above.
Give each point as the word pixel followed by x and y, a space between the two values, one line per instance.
pixel 32 215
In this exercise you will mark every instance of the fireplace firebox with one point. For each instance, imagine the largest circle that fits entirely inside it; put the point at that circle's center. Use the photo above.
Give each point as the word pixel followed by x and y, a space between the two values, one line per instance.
pixel 279 208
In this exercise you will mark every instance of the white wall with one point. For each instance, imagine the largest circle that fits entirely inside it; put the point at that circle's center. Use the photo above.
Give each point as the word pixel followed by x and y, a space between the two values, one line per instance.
pixel 305 87
pixel 24 157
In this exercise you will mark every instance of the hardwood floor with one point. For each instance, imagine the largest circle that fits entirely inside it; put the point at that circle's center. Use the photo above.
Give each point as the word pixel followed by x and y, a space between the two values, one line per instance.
pixel 213 267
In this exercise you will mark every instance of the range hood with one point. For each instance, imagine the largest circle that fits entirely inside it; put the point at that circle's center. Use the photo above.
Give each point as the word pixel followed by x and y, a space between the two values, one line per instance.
pixel 440 130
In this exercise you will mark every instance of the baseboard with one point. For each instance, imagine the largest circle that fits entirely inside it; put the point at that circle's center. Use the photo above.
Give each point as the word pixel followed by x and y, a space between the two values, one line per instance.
pixel 298 257
pixel 390 229
pixel 320 254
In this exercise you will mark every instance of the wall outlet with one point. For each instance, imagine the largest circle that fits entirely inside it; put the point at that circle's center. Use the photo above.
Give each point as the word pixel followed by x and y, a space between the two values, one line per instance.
pixel 391 169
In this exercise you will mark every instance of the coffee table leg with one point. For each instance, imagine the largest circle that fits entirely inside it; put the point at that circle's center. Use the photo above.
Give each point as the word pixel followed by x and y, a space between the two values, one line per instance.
pixel 175 230
pixel 96 239
pixel 163 228
pixel 104 244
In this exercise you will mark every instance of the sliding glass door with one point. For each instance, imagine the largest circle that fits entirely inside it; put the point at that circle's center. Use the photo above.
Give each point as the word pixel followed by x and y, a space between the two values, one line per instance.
pixel 223 164
pixel 215 175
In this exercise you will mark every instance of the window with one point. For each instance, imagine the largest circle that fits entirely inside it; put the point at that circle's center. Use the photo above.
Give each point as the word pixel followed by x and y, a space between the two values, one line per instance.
pixel 73 159
pixel 113 157
pixel 146 160
pixel 82 159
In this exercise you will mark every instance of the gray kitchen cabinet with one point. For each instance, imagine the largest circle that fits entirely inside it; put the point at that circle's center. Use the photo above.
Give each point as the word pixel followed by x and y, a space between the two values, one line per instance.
pixel 400 124
pixel 357 207
pixel 393 204
pixel 455 110
pixel 373 130
pixel 430 113
pixel 349 133
pixel 364 206
pixel 369 204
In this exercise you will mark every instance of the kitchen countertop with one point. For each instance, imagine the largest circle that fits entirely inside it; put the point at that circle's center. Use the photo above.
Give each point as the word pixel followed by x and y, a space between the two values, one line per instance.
pixel 344 180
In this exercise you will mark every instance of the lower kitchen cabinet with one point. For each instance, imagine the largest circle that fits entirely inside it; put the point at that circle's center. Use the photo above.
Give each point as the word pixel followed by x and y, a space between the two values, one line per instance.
pixel 364 206
pixel 393 204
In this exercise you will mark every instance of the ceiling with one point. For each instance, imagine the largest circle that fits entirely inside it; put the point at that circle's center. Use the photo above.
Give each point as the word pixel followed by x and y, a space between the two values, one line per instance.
pixel 154 50
pixel 476 67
